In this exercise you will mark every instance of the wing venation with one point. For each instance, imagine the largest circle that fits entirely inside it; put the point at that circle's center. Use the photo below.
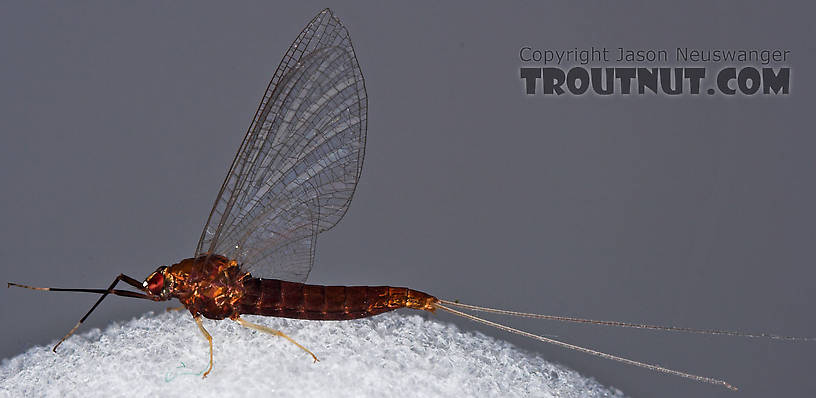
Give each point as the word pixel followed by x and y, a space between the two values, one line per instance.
pixel 297 168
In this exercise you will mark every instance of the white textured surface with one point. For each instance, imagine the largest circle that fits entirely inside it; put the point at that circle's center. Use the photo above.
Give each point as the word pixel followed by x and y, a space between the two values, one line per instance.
pixel 393 354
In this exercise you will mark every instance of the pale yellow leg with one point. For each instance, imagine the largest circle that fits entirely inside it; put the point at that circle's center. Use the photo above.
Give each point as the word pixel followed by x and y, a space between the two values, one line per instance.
pixel 209 339
pixel 176 308
pixel 274 332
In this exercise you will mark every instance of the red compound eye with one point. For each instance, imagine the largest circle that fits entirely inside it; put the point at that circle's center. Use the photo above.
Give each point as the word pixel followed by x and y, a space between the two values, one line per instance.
pixel 155 284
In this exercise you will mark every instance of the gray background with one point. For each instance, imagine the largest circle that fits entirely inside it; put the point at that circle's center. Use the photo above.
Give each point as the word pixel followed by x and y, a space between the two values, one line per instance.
pixel 119 121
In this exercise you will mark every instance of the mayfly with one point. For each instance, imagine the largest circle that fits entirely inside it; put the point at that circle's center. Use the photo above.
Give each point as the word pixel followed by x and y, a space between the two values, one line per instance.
pixel 293 177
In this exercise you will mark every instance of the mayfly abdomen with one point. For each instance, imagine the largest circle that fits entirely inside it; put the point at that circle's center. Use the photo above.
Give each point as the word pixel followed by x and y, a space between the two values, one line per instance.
pixel 273 297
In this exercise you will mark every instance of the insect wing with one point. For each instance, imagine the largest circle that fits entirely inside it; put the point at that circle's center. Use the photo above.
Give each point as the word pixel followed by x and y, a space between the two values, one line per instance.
pixel 297 168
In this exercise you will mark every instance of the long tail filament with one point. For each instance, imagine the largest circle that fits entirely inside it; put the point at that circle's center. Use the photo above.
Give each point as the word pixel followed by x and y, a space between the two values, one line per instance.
pixel 446 305
pixel 625 324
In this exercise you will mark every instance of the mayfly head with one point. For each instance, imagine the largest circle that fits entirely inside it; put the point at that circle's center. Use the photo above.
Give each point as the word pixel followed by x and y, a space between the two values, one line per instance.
pixel 157 283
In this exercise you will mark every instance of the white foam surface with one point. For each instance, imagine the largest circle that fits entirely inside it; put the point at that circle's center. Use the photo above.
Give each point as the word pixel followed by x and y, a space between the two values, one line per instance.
pixel 390 355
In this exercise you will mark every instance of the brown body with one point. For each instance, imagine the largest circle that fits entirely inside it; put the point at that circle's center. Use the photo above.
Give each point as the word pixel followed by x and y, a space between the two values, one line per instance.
pixel 217 288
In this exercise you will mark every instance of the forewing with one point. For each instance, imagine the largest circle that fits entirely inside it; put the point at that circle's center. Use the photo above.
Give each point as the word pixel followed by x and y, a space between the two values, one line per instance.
pixel 297 168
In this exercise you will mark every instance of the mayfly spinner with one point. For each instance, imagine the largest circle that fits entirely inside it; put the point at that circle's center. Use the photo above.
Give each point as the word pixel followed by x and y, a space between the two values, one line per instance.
pixel 293 178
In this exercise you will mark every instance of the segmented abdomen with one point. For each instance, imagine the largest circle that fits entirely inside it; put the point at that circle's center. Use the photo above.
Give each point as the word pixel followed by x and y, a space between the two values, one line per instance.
pixel 273 297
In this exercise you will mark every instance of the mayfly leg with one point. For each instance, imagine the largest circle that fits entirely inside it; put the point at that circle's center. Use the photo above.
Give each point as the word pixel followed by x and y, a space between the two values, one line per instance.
pixel 104 292
pixel 265 329
pixel 121 277
pixel 115 292
pixel 209 340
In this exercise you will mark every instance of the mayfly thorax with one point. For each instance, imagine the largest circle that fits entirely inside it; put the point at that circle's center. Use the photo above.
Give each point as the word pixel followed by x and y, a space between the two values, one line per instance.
pixel 293 177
